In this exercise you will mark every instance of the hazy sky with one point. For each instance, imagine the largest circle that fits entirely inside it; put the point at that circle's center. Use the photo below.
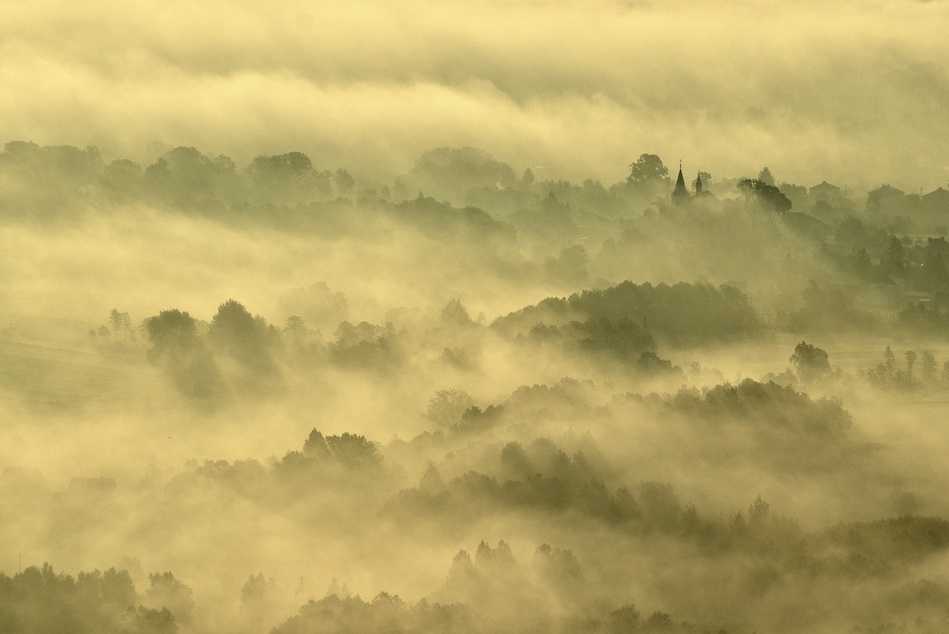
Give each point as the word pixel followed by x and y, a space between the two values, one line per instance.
pixel 854 92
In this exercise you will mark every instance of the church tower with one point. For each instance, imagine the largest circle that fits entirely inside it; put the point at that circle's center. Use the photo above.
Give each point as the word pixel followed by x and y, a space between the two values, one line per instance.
pixel 680 194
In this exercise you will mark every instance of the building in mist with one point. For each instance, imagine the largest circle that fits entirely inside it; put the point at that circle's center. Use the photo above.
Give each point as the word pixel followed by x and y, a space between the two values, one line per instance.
pixel 885 199
pixel 826 192
pixel 680 195
pixel 699 186
pixel 936 200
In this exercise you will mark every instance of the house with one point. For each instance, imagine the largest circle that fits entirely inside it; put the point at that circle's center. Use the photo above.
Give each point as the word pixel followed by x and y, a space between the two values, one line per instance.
pixel 886 199
pixel 937 200
pixel 826 192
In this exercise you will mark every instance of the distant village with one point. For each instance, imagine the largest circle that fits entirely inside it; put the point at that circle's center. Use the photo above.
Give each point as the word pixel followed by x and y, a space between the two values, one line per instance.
pixel 888 238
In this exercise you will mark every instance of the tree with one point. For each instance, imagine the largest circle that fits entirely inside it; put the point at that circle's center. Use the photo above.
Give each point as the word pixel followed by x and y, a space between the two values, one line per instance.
pixel 185 175
pixel 120 322
pixel 661 506
pixel 231 325
pixel 354 451
pixel 177 347
pixel 450 173
pixel 142 620
pixel 462 573
pixel 893 259
pixel 861 264
pixel 164 591
pixel 345 183
pixel 705 178
pixel 456 314
pixel 241 335
pixel 765 176
pixel 910 362
pixel 647 170
pixel 315 446
pixel 889 362
pixel 811 362
pixel 929 367
pixel 171 332
pixel 758 511
pixel 295 332
pixel 765 194
pixel 258 599
pixel 121 178
pixel 556 564
pixel 290 177
pixel 431 482
pixel 624 620
pixel 446 407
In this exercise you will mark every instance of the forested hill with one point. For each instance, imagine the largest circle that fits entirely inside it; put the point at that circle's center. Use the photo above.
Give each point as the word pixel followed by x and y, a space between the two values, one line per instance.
pixel 681 314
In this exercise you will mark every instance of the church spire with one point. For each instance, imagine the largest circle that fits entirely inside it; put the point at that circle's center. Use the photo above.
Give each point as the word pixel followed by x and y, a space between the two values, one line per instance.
pixel 680 194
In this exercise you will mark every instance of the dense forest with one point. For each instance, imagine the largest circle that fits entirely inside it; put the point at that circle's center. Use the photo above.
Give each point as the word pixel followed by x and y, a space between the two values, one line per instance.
pixel 281 397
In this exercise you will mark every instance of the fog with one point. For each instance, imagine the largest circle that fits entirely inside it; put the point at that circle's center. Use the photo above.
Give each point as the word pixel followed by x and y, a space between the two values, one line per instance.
pixel 375 318
pixel 850 93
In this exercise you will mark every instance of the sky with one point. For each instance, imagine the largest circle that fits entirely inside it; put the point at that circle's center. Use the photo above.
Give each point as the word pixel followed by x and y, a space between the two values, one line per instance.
pixel 856 93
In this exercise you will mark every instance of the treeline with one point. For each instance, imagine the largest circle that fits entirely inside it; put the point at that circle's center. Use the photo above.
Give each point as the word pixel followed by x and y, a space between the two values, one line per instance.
pixel 915 371
pixel 569 485
pixel 238 348
pixel 490 592
pixel 182 176
pixel 761 406
pixel 625 316
pixel 42 600
pixel 333 462
pixel 281 191
pixel 621 324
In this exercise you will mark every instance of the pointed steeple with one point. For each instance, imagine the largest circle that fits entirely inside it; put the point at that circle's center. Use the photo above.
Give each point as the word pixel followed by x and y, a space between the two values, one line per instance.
pixel 680 194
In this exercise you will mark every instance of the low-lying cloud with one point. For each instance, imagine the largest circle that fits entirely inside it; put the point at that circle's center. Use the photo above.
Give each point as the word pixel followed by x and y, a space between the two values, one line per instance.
pixel 576 91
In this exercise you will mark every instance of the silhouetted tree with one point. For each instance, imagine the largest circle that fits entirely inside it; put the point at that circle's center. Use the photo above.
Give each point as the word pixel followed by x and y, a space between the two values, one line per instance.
pixel 453 172
pixel 315 446
pixel 446 407
pixel 455 313
pixel 625 620
pixel 431 483
pixel 661 507
pixel 142 620
pixel 235 331
pixel 354 451
pixel 910 363
pixel 768 195
pixel 165 591
pixel 186 176
pixel 258 599
pixel 893 261
pixel 171 332
pixel 344 182
pixel 811 362
pixel 889 362
pixel 120 323
pixel 570 266
pixel 929 366
pixel 556 564
pixel 647 170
